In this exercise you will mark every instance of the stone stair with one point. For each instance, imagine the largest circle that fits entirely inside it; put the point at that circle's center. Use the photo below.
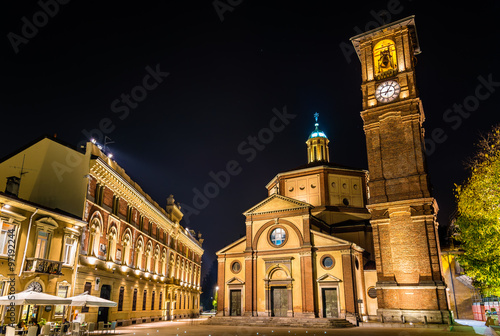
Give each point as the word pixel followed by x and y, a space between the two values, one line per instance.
pixel 292 322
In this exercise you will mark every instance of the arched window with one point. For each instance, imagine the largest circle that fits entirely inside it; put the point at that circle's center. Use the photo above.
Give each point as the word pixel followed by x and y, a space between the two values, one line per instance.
pixel 112 243
pixel 127 246
pixel 156 259
pixel 171 273
pixel 149 256
pixel 139 249
pixel 95 235
pixel 164 270
pixel 384 57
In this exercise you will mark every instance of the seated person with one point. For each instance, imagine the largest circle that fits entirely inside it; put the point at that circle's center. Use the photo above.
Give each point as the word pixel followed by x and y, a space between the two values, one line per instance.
pixel 39 329
pixel 65 325
pixel 22 326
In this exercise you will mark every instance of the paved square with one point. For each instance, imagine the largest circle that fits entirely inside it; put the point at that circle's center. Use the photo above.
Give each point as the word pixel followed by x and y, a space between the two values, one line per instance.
pixel 195 328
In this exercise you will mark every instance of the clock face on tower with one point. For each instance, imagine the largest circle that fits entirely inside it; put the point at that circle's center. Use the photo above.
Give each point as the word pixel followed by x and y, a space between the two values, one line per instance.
pixel 387 91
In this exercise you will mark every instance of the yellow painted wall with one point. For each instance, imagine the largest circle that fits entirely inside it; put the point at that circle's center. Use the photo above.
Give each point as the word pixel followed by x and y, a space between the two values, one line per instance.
pixel 293 238
pixel 345 187
pixel 370 281
pixel 460 297
pixel 229 279
pixel 305 188
pixel 262 273
pixel 55 176
pixel 336 271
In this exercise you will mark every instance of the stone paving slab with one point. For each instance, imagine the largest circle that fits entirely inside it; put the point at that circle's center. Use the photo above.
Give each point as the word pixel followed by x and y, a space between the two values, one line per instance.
pixel 195 328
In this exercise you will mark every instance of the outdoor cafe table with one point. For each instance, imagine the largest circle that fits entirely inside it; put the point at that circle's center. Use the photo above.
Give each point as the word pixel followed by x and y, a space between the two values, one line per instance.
pixel 83 327
pixel 56 328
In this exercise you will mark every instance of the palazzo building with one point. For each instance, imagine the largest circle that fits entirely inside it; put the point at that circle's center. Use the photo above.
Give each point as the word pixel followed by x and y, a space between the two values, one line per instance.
pixel 130 250
pixel 328 241
pixel 38 246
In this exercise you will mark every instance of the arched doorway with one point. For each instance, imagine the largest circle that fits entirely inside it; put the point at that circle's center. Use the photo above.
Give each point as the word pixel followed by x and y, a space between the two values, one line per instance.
pixel 279 291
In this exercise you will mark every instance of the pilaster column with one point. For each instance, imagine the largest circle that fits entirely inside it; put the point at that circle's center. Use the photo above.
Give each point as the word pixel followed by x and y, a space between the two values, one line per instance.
pixel 222 286
pixel 306 269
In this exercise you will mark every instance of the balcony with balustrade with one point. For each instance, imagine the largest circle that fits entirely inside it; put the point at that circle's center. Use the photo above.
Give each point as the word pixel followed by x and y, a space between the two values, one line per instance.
pixel 44 266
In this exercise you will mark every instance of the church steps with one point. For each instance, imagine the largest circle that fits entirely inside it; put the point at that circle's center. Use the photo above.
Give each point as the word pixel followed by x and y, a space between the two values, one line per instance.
pixel 280 322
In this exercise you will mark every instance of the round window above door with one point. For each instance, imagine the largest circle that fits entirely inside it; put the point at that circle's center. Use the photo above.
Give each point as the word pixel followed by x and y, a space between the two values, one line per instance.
pixel 278 237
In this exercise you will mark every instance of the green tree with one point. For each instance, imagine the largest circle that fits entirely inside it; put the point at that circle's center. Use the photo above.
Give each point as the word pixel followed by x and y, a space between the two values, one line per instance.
pixel 478 221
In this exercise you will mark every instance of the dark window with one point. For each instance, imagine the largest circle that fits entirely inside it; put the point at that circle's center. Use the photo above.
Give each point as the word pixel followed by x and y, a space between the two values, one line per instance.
pixel 372 292
pixel 184 301
pixel 144 299
pixel 180 300
pixel 141 223
pixel 153 301
pixel 150 228
pixel 165 237
pixel 120 299
pixel 87 288
pixel 328 262
pixel 134 300
pixel 116 205
pixel 161 297
pixel 129 214
pixel 99 192
pixel 236 267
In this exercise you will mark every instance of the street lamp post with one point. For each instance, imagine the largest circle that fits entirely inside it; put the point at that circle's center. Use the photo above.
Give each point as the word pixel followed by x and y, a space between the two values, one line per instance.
pixel 215 298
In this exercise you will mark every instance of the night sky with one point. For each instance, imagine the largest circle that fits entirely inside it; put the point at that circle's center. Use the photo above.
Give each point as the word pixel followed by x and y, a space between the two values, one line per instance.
pixel 218 82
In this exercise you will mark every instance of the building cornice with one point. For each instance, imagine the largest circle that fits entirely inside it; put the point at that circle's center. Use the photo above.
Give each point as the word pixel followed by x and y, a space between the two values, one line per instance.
pixel 104 173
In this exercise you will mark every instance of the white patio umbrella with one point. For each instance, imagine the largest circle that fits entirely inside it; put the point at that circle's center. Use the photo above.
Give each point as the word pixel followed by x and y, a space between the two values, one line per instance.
pixel 33 298
pixel 88 300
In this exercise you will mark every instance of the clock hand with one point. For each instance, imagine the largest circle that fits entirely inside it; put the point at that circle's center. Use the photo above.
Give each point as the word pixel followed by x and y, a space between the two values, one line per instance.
pixel 384 91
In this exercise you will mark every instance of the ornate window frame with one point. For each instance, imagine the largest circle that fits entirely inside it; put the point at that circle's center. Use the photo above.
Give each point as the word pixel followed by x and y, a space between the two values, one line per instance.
pixel 271 230
pixel 321 262
pixel 232 265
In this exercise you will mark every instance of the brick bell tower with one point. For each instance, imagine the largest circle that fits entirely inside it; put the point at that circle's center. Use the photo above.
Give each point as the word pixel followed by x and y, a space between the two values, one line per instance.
pixel 410 286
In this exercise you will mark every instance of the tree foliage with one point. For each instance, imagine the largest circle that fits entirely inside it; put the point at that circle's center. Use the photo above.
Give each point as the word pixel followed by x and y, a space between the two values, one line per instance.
pixel 478 221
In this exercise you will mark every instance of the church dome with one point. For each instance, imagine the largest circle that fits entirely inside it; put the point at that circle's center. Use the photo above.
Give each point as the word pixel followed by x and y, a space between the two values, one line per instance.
pixel 317 133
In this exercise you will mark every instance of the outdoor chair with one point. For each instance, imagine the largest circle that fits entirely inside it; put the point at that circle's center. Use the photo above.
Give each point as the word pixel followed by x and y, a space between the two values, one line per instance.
pixel 45 330
pixel 91 328
pixel 10 331
pixel 75 331
pixel 32 331
pixel 112 327
pixel 100 326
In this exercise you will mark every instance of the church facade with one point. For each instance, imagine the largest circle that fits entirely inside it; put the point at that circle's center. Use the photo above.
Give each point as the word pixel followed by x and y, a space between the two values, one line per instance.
pixel 305 247
pixel 335 242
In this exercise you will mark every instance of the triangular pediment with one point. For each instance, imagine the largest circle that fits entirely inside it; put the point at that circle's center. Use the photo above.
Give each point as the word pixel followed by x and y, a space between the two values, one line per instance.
pixel 328 278
pixel 277 203
pixel 235 281
pixel 235 247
